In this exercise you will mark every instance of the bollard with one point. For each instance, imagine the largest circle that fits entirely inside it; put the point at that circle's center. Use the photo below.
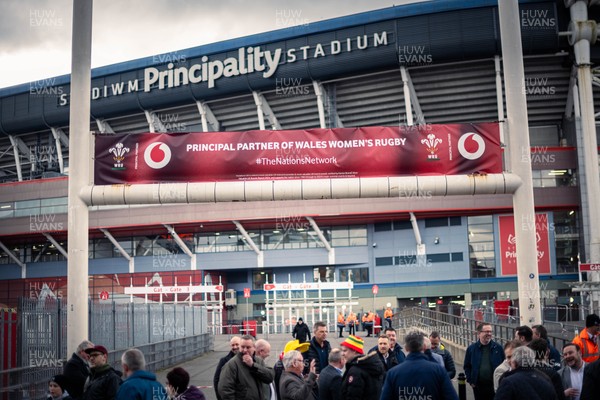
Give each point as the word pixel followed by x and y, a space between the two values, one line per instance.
pixel 462 386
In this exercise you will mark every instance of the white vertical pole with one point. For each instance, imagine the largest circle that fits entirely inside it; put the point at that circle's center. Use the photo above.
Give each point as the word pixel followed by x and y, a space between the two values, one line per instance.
pixel 518 133
pixel 79 174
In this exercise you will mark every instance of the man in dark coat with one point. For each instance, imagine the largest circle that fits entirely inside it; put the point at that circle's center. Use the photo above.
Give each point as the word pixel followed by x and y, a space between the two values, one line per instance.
pixel 417 377
pixel 481 360
pixel 439 348
pixel 244 376
pixel 384 353
pixel 394 346
pixel 319 348
pixel 301 331
pixel 104 382
pixel 77 370
pixel 523 381
pixel 540 348
pixel 292 386
pixel 591 382
pixel 540 332
pixel 234 345
pixel 363 377
pixel 330 379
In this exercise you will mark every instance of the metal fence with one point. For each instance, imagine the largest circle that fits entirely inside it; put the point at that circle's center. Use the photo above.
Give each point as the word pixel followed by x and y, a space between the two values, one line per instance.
pixel 167 334
pixel 462 329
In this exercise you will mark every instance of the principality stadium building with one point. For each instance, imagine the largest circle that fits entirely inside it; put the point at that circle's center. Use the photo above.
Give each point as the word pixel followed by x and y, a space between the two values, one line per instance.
pixel 320 165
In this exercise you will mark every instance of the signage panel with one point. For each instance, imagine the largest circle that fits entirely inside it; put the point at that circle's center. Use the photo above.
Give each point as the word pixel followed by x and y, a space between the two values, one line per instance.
pixel 298 154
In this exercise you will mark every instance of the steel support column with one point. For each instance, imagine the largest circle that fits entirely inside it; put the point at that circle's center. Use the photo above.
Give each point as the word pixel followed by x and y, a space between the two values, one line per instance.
pixel 79 174
pixel 518 132
pixel 582 34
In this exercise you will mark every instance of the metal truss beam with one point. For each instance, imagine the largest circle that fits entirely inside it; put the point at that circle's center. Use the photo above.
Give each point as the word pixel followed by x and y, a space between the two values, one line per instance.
pixel 330 250
pixel 154 122
pixel 259 254
pixel 115 243
pixel 59 138
pixel 263 109
pixel 56 244
pixel 15 259
pixel 209 120
pixel 19 146
pixel 182 245
pixel 104 126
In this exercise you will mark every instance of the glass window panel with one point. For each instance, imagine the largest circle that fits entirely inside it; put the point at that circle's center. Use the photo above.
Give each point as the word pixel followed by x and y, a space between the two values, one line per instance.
pixel 341 242
pixel 436 222
pixel 339 232
pixel 323 274
pixel 382 227
pixel 259 278
pixel 357 231
pixel 356 275
pixel 381 261
pixel 399 225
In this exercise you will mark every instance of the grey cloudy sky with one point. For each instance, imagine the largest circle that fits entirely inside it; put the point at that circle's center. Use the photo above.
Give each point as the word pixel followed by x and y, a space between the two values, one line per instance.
pixel 35 35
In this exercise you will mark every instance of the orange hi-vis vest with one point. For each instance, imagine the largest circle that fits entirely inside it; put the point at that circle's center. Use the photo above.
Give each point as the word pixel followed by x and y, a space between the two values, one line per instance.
pixel 351 319
pixel 388 313
pixel 341 319
pixel 589 349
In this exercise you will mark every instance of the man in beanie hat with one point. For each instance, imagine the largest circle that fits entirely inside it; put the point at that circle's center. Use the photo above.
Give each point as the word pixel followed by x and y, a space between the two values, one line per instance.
pixel 104 381
pixel 364 373
pixel 301 331
pixel 587 340
pixel 57 388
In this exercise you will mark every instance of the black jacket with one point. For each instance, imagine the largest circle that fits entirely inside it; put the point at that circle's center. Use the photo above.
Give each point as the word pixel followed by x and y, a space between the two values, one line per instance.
pixel 522 383
pixel 222 362
pixel 591 381
pixel 103 384
pixel 448 360
pixel 555 379
pixel 363 378
pixel 77 371
pixel 313 354
pixel 301 332
pixel 391 360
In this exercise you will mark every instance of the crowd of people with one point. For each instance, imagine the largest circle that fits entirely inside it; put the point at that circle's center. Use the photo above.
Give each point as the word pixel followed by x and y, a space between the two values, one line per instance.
pixel 309 368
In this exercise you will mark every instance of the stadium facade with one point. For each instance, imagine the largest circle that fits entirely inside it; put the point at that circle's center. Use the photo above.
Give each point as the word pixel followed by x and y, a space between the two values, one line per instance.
pixel 425 64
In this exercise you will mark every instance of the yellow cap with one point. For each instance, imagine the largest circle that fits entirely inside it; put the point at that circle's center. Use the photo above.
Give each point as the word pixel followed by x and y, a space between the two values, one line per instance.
pixel 296 345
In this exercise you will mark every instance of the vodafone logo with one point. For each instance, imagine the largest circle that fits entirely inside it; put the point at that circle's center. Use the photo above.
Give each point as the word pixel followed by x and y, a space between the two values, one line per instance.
pixel 468 154
pixel 157 155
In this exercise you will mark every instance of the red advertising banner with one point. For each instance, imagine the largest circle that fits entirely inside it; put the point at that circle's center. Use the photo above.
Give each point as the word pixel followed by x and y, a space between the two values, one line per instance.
pixel 508 249
pixel 298 154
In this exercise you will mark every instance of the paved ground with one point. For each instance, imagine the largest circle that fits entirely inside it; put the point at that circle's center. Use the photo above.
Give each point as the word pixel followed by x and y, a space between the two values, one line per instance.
pixel 202 369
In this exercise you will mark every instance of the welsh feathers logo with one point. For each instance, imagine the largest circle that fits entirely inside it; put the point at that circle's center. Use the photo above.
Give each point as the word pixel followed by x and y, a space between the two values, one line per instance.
pixel 432 146
pixel 119 152
pixel 157 155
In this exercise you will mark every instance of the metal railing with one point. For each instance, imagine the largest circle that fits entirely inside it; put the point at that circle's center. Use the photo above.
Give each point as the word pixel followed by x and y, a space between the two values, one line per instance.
pixel 167 334
pixel 462 329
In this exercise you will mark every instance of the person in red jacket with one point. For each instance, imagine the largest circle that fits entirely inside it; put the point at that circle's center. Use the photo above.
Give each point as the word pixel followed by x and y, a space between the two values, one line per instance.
pixel 587 340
